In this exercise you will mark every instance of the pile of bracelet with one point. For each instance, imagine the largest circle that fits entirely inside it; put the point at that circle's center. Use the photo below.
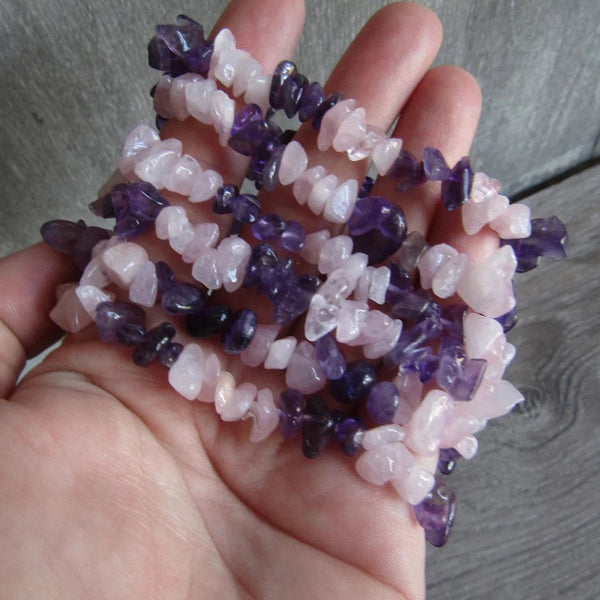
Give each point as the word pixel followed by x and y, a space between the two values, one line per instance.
pixel 428 322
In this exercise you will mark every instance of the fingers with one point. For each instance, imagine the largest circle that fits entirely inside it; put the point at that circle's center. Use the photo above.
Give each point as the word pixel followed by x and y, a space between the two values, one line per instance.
pixel 28 281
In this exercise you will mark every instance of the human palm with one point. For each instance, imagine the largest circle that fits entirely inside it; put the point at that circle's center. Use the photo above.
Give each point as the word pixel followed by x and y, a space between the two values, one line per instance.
pixel 113 486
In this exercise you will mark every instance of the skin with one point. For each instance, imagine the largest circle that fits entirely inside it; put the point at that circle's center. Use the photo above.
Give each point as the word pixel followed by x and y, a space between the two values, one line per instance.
pixel 113 486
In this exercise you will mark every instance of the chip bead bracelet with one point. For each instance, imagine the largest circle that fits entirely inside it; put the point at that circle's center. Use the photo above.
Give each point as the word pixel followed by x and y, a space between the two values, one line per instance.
pixel 432 373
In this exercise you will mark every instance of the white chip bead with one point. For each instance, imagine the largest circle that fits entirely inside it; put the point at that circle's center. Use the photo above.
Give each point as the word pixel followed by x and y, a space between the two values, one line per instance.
pixel 246 68
pixel 334 253
pixel 321 192
pixel 303 186
pixel 170 222
pixel 123 261
pixel 467 447
pixel 294 161
pixel 186 374
pixel 222 113
pixel 380 282
pixel 483 188
pixel 350 320
pixel 313 245
pixel 513 223
pixel 182 178
pixel 280 353
pixel 340 204
pixel 224 388
pixel 331 122
pixel 354 267
pixel 156 164
pixel 385 153
pixel 177 95
pixel 227 65
pixel 264 414
pixel 144 286
pixel 224 41
pixel 205 186
pixel 238 406
pixel 363 285
pixel 184 236
pixel 198 95
pixel 136 143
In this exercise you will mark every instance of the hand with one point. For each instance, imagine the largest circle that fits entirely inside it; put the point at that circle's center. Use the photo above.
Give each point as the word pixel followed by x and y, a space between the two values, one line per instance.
pixel 113 486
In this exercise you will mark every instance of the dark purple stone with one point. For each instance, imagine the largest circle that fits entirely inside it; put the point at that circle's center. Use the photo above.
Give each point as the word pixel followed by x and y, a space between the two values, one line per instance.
pixel 452 355
pixel 224 199
pixel 548 238
pixel 262 258
pixel 103 207
pixel 411 304
pixel 330 101
pixel 427 365
pixel 456 189
pixel 350 433
pixel 270 174
pixel 183 299
pixel 355 384
pixel 295 301
pixel 248 138
pixel 317 427
pixel 469 379
pixel 434 165
pixel 382 402
pixel 435 513
pixel 111 316
pixel 293 237
pixel 210 320
pixel 131 334
pixel 290 407
pixel 165 276
pixel 169 354
pixel 330 358
pixel 447 460
pixel 400 283
pixel 411 342
pixel 508 320
pixel 452 319
pixel 366 187
pixel 158 337
pixel 246 208
pixel 310 101
pixel 407 171
pixel 238 336
pixel 268 227
pixel 292 91
pixel 283 71
pixel 86 242
pixel 277 281
pixel 247 114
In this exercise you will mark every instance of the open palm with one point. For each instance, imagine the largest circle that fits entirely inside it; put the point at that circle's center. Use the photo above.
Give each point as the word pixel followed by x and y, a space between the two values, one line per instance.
pixel 113 486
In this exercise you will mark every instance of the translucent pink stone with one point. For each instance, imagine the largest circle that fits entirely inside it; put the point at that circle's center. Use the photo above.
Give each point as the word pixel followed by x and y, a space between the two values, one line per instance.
pixel 136 143
pixel 380 282
pixel 227 65
pixel 304 372
pixel 69 313
pixel 411 251
pixel 280 353
pixel 334 253
pixel 183 176
pixel 427 423
pixel 514 222
pixel 467 447
pixel 212 370
pixel 264 414
pixel 350 320
pixel 187 374
pixel 411 391
pixel 206 236
pixel 321 192
pixel 354 267
pixel 366 145
pixel 351 131
pixel 303 186
pixel 205 186
pixel 222 113
pixel 340 204
pixel 293 163
pixel 232 258
pixel 431 260
pixel 224 40
pixel 246 68
pixel 238 404
pixel 487 287
pixel 375 325
pixel 90 296
pixel 198 95
pixel 254 355
pixel 257 92
pixel 384 462
pixel 144 286
pixel 93 274
pixel 483 188
pixel 382 345
pixel 480 335
pixel 385 153
pixel 503 399
pixel 156 164
pixel 322 317
pixel 206 271
pixel 477 214
pixel 445 280
pixel 224 390
pixel 384 434
pixel 458 426
pixel 170 222
pixel 177 95
pixel 363 285
pixel 414 485
pixel 313 245
pixel 331 122
pixel 162 97
pixel 123 261
pixel 182 238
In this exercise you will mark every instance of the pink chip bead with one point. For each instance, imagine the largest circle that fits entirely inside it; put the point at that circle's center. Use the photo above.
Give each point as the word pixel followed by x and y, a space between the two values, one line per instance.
pixel 385 153
pixel 384 462
pixel 186 375
pixel 414 485
pixel 304 184
pixel 432 260
pixel 136 143
pixel 304 372
pixel 373 137
pixel 155 165
pixel 334 253
pixel 332 121
pixel 69 313
pixel 182 178
pixel 381 346
pixel 351 318
pixel 177 95
pixel 237 403
pixel 206 236
pixel 123 261
pixel 514 222
pixel 256 352
pixel 384 434
pixel 90 296
pixel 257 92
pixel 162 97
pixel 280 353
pixel 206 270
pixel 233 254
pixel 340 204
pixel 144 286
pixel 205 186
pixel 351 131
pixel 445 280
pixel 264 414
pixel 170 222
pixel 321 192
pixel 313 245
pixel 293 163
pixel 198 96
pixel 477 214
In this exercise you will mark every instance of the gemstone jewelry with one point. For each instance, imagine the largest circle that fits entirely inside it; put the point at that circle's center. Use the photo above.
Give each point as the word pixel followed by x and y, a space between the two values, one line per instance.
pixel 402 346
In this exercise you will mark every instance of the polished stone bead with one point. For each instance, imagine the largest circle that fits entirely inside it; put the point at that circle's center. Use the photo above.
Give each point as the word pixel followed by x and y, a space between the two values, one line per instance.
pixel 412 340
pixel 447 460
pixel 270 173
pixel 246 208
pixel 158 337
pixel 452 318
pixel 293 237
pixel 131 334
pixel 329 102
pixel 355 384
pixel 283 71
pixel 304 372
pixel 290 407
pixel 292 91
pixel 276 281
pixel 169 354
pixel 434 165
pixel 111 316
pixel 382 402
pixel 165 276
pixel 295 301
pixel 350 433
pixel 251 135
pixel 183 299
pixel 240 332
pixel 224 199
pixel 103 207
pixel 366 186
pixel 435 513
pixel 317 427
pixel 310 101
pixel 456 189
pixel 330 358
pixel 268 227
pixel 411 304
pixel 212 319
pixel 407 171
pixel 262 258
pixel 247 114
pixel 508 320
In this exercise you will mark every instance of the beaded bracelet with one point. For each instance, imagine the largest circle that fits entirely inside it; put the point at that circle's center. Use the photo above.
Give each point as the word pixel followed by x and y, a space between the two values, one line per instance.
pixel 444 365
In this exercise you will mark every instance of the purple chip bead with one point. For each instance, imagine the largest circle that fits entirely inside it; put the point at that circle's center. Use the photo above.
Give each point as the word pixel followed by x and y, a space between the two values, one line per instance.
pixel 407 170
pixel 270 173
pixel 262 258
pixel 169 354
pixel 330 101
pixel 268 227
pixel 283 71
pixel 212 319
pixel 350 433
pixel 382 402
pixel 317 427
pixel 183 299
pixel 103 207
pixel 278 280
pixel 469 379
pixel 291 93
pixel 330 358
pixel 224 198
pixel 240 333
pixel 246 208
pixel 310 101
pixel 165 276
pixel 447 460
pixel 456 189
pixel 355 384
pixel 295 301
pixel 435 513
pixel 434 165
pixel 131 334
pixel 366 187
pixel 293 237
pixel 158 337
pixel 508 320
pixel 290 407
pixel 111 316
pixel 245 115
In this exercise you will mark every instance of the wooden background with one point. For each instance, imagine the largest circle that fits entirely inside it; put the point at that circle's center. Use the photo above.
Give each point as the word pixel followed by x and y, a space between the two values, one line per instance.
pixel 74 79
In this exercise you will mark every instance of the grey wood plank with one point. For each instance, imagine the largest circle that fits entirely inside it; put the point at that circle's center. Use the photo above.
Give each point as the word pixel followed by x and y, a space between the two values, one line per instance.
pixel 528 518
